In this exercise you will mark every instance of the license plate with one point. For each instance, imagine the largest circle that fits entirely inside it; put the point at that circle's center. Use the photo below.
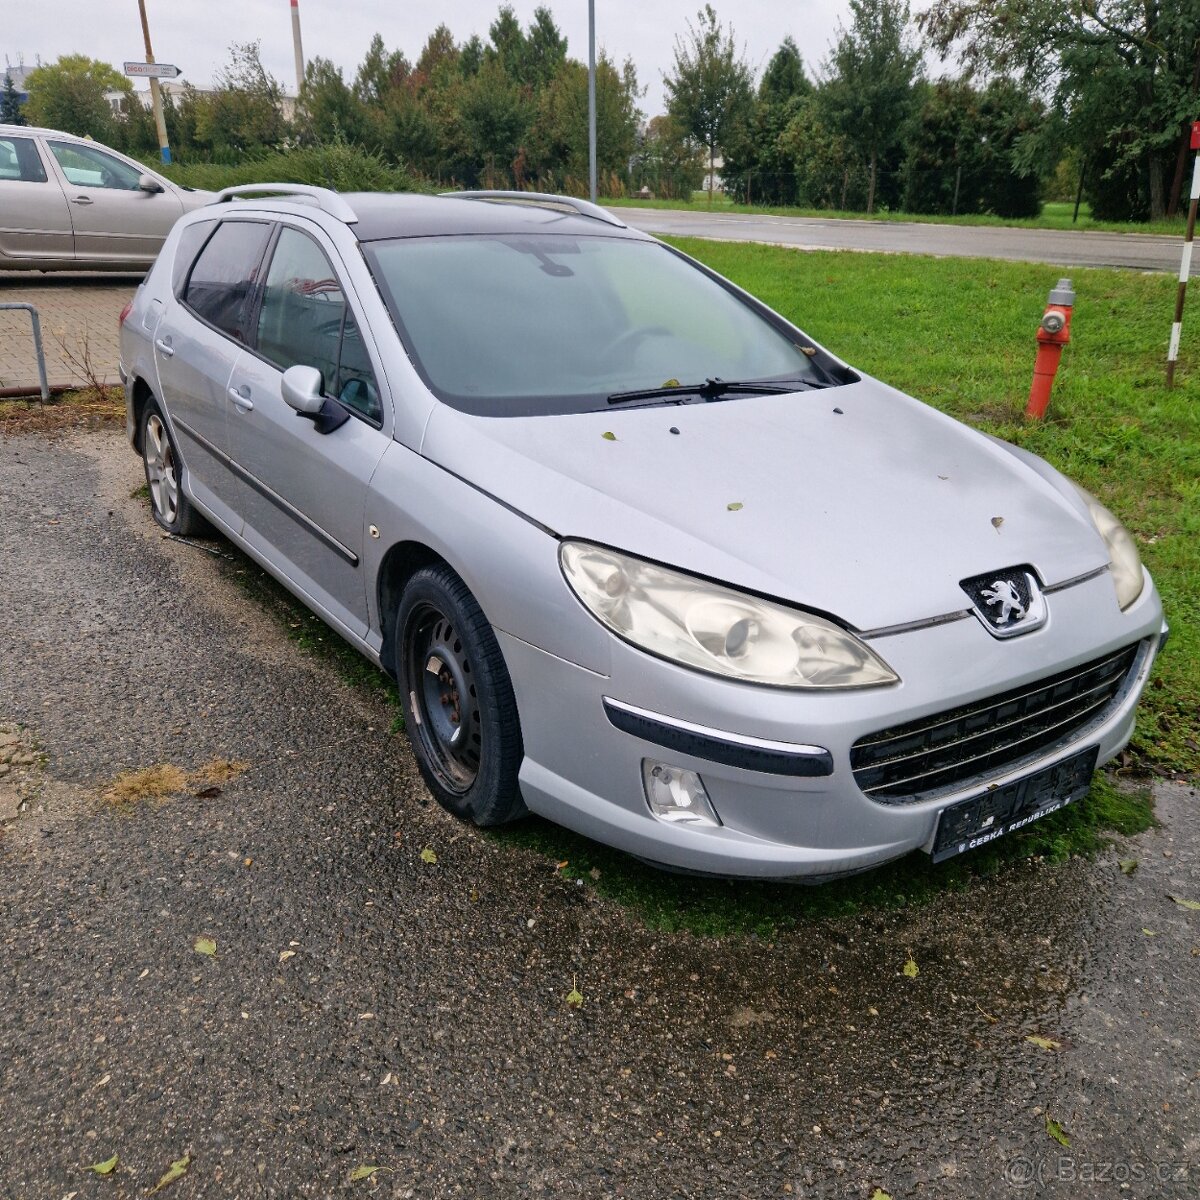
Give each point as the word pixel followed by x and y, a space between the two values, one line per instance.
pixel 972 823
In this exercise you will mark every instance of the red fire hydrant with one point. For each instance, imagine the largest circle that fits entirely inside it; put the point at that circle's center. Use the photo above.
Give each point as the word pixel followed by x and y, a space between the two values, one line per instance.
pixel 1053 334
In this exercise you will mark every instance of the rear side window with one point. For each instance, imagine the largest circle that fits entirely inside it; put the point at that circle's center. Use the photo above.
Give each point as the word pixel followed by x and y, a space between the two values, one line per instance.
pixel 20 161
pixel 224 277
pixel 190 241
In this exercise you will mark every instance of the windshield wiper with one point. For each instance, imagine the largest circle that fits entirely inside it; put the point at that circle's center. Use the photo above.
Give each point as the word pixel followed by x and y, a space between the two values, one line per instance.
pixel 714 389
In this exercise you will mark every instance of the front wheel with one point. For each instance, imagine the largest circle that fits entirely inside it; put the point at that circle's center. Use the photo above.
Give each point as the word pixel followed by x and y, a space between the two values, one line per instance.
pixel 459 707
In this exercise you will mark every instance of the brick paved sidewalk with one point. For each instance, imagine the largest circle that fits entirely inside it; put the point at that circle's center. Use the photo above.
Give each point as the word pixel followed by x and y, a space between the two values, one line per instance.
pixel 78 315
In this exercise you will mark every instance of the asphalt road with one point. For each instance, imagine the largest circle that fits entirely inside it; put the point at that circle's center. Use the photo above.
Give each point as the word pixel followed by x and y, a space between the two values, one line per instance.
pixel 1145 252
pixel 365 1007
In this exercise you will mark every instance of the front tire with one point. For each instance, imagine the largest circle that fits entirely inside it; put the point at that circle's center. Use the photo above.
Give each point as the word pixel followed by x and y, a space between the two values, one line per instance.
pixel 171 508
pixel 459 709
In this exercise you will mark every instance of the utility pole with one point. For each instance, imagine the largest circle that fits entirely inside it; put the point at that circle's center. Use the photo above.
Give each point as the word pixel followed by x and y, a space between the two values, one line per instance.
pixel 297 46
pixel 592 99
pixel 155 92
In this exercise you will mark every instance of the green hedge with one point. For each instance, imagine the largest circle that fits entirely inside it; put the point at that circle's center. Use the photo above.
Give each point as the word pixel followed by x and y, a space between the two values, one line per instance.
pixel 339 166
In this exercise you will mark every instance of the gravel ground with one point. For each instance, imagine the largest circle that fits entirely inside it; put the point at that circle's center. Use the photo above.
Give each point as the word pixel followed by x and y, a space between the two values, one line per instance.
pixel 366 1007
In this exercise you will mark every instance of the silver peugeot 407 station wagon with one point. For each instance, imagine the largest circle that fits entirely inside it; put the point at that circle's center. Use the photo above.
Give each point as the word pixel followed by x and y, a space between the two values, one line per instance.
pixel 642 556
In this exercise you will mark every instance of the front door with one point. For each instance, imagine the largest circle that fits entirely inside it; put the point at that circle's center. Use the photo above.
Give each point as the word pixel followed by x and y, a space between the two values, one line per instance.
pixel 34 221
pixel 114 219
pixel 304 492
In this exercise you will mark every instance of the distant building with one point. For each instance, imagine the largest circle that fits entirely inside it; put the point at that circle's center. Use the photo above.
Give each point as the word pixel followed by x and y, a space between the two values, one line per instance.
pixel 17 74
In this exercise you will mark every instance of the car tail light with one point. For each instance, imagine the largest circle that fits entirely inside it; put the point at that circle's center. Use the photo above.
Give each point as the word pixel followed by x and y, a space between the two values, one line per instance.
pixel 125 311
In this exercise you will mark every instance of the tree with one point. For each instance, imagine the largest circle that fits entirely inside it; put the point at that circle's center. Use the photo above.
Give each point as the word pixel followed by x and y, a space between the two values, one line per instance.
pixel 245 111
pixel 710 89
pixel 755 162
pixel 668 160
pixel 327 107
pixel 1124 75
pixel 10 103
pixel 378 73
pixel 869 90
pixel 69 94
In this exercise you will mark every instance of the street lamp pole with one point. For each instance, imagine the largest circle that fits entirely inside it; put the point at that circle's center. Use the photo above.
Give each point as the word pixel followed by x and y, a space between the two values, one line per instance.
pixel 155 92
pixel 592 99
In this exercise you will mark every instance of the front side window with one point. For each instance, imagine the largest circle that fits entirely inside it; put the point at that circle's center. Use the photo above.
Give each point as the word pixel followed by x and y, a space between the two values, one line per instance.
pixel 304 320
pixel 535 323
pixel 223 278
pixel 20 161
pixel 85 166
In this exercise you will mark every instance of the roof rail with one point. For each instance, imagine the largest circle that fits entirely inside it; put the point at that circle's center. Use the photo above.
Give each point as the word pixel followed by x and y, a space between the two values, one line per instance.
pixel 585 208
pixel 326 200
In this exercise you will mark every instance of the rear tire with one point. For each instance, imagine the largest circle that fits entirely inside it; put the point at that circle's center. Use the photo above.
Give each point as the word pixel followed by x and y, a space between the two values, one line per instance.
pixel 459 709
pixel 171 508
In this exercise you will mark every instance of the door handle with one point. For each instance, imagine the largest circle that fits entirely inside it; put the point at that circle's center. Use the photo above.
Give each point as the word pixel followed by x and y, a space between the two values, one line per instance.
pixel 243 402
pixel 165 348
pixel 82 200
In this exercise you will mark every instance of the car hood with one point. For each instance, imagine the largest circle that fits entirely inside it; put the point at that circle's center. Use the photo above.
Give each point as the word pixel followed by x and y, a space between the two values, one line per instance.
pixel 856 501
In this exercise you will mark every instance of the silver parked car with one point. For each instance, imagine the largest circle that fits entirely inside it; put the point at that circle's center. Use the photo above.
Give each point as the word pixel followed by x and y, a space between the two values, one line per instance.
pixel 70 204
pixel 642 556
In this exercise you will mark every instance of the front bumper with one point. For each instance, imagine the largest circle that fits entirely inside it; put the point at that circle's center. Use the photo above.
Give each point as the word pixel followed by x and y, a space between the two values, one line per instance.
pixel 584 772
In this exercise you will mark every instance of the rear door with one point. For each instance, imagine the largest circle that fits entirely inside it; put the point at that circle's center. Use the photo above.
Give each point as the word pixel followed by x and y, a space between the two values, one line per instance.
pixel 114 220
pixel 34 219
pixel 305 493
pixel 198 340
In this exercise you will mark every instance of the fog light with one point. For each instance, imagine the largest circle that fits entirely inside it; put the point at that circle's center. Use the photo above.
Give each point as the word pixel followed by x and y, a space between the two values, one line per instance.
pixel 677 795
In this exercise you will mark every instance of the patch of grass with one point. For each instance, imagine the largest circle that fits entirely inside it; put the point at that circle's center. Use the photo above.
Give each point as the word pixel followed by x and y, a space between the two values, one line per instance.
pixel 719 907
pixel 140 493
pixel 84 409
pixel 217 772
pixel 1054 215
pixel 146 786
pixel 959 334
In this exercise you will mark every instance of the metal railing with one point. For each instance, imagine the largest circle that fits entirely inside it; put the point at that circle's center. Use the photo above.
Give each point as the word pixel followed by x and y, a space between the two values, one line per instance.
pixel 37 343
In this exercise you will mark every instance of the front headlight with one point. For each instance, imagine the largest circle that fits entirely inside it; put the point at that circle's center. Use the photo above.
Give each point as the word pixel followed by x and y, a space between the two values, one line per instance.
pixel 1126 563
pixel 717 629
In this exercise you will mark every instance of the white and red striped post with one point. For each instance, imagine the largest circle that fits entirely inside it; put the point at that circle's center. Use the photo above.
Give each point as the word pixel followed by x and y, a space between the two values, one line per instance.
pixel 1185 266
pixel 297 46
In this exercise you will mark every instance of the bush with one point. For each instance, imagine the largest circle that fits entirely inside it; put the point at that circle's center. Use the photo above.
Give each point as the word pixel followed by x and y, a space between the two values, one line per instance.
pixel 336 165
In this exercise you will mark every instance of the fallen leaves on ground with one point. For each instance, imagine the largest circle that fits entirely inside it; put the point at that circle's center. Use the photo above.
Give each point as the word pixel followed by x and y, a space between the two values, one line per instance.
pixel 205 946
pixel 1194 905
pixel 107 1167
pixel 364 1172
pixel 880 1194
pixel 428 856
pixel 910 967
pixel 177 1169
pixel 574 996
pixel 1056 1131
pixel 1128 865
pixel 1044 1042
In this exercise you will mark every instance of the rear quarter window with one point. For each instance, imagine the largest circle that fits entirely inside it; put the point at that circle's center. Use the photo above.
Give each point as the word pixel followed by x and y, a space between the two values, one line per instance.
pixel 20 161
pixel 191 239
pixel 223 279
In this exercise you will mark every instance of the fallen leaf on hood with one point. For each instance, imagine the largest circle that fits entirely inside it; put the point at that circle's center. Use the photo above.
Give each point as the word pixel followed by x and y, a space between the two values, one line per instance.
pixel 997 522
pixel 609 437
pixel 735 506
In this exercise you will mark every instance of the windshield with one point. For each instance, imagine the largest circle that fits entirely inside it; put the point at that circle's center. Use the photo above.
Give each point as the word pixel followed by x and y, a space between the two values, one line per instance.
pixel 522 324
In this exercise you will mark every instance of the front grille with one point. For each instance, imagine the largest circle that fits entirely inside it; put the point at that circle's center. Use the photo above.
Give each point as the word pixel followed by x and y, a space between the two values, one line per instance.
pixel 909 762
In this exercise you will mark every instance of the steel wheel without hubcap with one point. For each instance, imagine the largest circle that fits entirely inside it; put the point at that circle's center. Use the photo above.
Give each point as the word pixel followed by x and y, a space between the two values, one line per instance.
pixel 161 474
pixel 445 700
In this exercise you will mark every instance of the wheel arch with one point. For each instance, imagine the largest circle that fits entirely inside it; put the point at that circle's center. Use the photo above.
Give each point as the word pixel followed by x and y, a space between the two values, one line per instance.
pixel 398 565
pixel 142 394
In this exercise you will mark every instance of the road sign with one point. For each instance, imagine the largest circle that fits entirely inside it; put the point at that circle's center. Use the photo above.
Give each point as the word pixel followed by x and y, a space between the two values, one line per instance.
pixel 151 70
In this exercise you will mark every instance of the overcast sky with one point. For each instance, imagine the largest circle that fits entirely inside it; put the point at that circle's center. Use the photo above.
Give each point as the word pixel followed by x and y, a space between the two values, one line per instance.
pixel 196 36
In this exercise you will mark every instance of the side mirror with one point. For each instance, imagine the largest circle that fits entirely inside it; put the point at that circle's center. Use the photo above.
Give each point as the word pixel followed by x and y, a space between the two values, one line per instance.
pixel 302 388
pixel 147 183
